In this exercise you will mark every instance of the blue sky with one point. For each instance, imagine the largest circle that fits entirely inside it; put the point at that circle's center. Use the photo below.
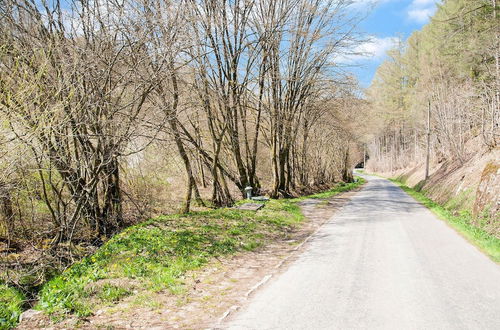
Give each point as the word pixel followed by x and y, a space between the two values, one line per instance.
pixel 385 22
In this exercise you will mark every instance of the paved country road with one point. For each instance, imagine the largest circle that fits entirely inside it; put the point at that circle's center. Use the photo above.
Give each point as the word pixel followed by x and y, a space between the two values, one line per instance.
pixel 382 262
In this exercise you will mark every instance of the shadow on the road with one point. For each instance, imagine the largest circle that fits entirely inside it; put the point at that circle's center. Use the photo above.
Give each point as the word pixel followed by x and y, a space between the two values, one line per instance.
pixel 379 202
pixel 381 196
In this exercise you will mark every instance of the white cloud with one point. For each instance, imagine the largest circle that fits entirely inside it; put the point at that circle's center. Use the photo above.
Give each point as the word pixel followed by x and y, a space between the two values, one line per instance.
pixel 419 11
pixel 369 3
pixel 423 2
pixel 377 47
pixel 373 49
pixel 420 15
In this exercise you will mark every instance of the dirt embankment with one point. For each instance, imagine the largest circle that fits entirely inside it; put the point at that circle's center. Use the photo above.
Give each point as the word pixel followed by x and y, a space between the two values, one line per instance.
pixel 472 185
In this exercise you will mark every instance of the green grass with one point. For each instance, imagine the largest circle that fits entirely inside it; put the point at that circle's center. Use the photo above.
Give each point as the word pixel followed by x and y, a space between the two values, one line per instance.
pixel 11 304
pixel 155 255
pixel 158 252
pixel 112 293
pixel 461 222
pixel 462 201
pixel 341 187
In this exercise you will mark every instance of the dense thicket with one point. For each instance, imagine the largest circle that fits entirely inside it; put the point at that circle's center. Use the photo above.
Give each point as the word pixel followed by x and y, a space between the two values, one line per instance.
pixel 448 70
pixel 106 104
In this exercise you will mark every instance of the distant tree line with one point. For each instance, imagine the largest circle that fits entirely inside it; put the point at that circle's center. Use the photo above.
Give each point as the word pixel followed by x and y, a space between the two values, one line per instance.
pixel 449 71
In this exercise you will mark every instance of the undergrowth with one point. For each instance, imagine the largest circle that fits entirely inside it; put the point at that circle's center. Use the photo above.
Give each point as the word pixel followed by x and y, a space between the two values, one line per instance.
pixel 159 251
pixel 11 303
pixel 341 187
pixel 463 222
pixel 155 256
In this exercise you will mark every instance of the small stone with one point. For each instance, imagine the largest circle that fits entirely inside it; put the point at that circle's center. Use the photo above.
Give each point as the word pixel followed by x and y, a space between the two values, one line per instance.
pixel 260 198
pixel 250 206
pixel 99 312
pixel 29 315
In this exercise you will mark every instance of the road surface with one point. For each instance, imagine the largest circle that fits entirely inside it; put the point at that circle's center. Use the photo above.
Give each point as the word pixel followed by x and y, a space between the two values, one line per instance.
pixel 382 262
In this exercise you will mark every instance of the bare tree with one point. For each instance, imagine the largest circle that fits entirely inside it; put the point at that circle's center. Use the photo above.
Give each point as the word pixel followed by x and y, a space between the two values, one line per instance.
pixel 73 91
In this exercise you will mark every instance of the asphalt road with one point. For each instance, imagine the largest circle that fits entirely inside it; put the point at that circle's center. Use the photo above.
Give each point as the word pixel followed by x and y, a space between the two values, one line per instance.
pixel 382 262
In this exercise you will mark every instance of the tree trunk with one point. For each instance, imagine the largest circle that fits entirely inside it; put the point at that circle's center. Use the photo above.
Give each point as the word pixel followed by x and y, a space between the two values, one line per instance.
pixel 112 214
pixel 7 212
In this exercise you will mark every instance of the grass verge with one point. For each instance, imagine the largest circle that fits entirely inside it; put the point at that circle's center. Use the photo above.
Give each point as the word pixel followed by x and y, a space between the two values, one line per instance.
pixel 155 255
pixel 341 187
pixel 463 223
pixel 11 304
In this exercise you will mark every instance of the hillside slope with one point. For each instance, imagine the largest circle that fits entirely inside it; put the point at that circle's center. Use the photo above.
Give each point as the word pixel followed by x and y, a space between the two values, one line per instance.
pixel 472 186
